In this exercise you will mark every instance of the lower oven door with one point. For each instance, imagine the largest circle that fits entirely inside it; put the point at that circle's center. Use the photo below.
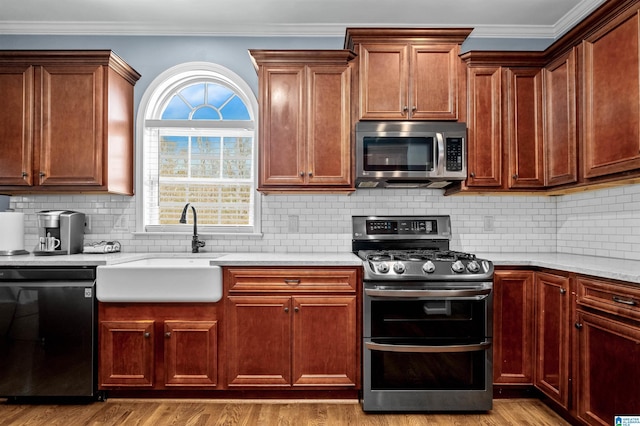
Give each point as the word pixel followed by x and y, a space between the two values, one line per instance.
pixel 427 354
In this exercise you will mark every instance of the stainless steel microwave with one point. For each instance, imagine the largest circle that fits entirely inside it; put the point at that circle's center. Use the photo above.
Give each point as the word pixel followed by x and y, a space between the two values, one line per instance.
pixel 410 154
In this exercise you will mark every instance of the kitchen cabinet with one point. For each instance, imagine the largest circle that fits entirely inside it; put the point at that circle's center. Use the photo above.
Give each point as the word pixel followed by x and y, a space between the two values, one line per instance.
pixel 305 128
pixel 610 61
pixel 552 318
pixel 157 346
pixel 484 133
pixel 524 127
pixel 66 122
pixel 513 324
pixel 292 328
pixel 560 130
pixel 409 74
pixel 608 329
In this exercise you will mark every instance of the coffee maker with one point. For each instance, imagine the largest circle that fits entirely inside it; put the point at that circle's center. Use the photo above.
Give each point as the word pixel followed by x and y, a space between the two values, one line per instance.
pixel 59 232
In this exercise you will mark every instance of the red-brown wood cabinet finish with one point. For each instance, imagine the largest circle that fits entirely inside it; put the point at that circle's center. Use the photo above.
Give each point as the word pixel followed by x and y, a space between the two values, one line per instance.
pixel 513 326
pixel 67 123
pixel 305 127
pixel 292 328
pixel 158 346
pixel 611 101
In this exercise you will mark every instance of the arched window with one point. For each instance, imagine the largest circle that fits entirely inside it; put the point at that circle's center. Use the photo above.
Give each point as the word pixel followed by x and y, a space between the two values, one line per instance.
pixel 198 146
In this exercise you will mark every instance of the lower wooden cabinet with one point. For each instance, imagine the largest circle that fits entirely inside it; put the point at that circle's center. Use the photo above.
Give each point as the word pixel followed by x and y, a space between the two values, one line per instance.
pixel 292 328
pixel 157 346
pixel 513 335
pixel 552 307
pixel 608 350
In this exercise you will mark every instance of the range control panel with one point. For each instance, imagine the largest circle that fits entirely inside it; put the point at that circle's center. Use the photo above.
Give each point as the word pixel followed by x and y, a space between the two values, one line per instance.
pixel 401 227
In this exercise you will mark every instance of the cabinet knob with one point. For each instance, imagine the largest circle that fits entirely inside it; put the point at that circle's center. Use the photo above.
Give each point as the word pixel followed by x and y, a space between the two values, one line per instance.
pixel 41 174
pixel 472 175
pixel 147 334
pixel 578 325
pixel 515 176
pixel 301 173
pixel 296 309
pixel 25 174
pixel 562 290
pixel 405 109
pixel 286 309
pixel 167 334
pixel 310 174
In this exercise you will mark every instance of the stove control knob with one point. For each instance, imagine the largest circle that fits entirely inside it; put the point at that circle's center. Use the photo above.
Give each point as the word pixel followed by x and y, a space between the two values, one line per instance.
pixel 457 266
pixel 473 266
pixel 399 268
pixel 428 267
pixel 383 267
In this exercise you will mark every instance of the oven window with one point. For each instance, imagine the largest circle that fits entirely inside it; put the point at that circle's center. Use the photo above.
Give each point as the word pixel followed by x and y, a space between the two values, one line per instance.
pixel 428 371
pixel 429 322
pixel 398 153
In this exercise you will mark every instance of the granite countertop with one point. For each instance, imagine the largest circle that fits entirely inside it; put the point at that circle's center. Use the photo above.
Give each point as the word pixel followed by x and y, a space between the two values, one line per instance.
pixel 603 267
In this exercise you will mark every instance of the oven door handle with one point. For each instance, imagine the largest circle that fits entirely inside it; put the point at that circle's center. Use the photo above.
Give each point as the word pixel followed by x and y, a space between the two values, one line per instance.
pixel 427 349
pixel 474 294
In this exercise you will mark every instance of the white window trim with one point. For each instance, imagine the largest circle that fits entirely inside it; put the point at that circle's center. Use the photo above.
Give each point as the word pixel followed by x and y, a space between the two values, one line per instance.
pixel 171 78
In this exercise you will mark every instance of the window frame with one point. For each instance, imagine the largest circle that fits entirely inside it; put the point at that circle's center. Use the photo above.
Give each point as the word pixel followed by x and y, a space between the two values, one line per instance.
pixel 151 106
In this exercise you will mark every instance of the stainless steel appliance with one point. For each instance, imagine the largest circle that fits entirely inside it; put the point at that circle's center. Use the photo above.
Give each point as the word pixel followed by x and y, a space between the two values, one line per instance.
pixel 67 227
pixel 427 314
pixel 409 154
pixel 48 333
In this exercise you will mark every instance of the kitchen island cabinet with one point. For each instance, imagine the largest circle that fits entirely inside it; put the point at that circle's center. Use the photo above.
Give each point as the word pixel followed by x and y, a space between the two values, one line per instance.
pixel 157 346
pixel 66 122
pixel 305 128
pixel 409 74
pixel 292 328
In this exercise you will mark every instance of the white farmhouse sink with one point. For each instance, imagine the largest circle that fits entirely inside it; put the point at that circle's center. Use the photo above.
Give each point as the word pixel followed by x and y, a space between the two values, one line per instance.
pixel 160 279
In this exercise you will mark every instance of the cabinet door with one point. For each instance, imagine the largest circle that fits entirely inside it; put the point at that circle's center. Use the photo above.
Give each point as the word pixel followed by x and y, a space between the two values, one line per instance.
pixel 259 337
pixel 609 372
pixel 513 335
pixel 559 80
pixel 524 127
pixel 71 111
pixel 552 338
pixel 282 127
pixel 485 127
pixel 329 126
pixel 126 355
pixel 190 353
pixel 384 73
pixel 433 82
pixel 16 125
pixel 324 341
pixel 611 99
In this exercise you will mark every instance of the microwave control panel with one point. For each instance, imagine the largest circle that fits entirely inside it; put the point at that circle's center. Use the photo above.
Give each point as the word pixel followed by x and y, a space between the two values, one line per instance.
pixel 454 153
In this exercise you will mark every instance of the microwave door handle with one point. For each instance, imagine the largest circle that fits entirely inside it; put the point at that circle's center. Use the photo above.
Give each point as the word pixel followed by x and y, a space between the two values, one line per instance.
pixel 440 167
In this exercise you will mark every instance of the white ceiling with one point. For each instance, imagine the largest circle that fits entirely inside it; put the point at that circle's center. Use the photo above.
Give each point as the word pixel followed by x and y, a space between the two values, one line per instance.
pixel 490 18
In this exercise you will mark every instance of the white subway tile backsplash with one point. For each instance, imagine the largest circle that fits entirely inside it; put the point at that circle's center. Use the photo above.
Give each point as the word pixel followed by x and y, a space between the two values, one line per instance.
pixel 604 222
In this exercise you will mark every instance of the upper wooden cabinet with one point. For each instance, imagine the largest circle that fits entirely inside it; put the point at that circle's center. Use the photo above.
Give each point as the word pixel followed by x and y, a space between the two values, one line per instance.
pixel 560 130
pixel 305 127
pixel 66 122
pixel 611 102
pixel 409 74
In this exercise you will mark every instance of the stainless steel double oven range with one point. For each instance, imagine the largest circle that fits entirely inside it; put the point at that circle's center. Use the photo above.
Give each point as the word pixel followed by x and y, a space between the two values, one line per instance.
pixel 427 314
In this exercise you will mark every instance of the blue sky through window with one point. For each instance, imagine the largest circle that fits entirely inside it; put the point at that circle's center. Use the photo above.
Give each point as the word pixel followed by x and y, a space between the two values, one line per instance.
pixel 205 101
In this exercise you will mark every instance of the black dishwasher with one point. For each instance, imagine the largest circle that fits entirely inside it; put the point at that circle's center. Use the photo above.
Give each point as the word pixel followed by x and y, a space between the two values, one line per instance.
pixel 48 333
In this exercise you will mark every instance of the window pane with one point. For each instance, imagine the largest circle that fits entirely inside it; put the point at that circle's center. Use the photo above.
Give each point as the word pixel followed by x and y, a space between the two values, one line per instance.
pixel 235 110
pixel 174 156
pixel 194 94
pixel 217 95
pixel 205 157
pixel 206 113
pixel 176 110
pixel 237 158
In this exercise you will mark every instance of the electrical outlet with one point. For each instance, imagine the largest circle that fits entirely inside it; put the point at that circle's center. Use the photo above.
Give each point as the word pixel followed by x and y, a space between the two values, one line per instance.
pixel 293 224
pixel 489 225
pixel 121 224
pixel 87 224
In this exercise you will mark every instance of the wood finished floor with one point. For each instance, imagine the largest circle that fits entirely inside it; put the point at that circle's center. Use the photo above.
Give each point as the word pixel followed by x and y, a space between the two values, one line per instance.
pixel 162 412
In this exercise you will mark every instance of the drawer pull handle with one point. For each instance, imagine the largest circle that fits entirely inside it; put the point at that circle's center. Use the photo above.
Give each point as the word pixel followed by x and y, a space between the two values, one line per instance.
pixel 292 282
pixel 624 301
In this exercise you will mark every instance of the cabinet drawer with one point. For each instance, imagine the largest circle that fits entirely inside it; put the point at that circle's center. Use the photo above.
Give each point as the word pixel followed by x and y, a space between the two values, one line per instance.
pixel 608 296
pixel 341 280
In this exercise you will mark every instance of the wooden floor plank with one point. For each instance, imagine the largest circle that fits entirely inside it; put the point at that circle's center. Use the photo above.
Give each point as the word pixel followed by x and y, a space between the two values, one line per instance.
pixel 174 412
